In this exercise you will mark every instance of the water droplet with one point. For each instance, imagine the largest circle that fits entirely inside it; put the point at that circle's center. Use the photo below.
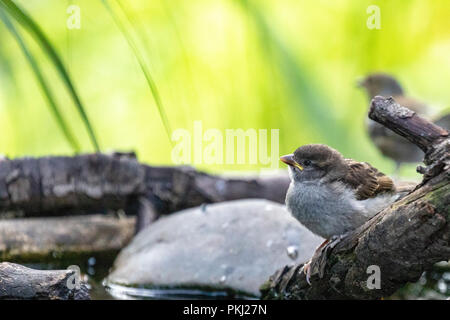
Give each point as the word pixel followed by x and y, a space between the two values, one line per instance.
pixel 227 269
pixel 292 252
pixel 223 279
pixel 269 243
pixel 91 271
pixel 442 286
pixel 446 276
pixel 92 261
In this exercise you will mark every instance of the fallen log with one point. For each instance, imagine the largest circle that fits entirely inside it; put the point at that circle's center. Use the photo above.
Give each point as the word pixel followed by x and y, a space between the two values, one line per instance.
pixel 68 239
pixel 399 243
pixel 93 183
pixel 19 282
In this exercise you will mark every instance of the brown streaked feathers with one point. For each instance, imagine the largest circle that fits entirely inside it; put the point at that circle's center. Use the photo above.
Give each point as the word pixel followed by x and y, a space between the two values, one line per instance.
pixel 367 181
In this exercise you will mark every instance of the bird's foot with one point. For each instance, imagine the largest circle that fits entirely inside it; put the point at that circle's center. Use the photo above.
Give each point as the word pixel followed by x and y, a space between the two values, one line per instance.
pixel 310 266
pixel 336 239
pixel 307 271
pixel 318 261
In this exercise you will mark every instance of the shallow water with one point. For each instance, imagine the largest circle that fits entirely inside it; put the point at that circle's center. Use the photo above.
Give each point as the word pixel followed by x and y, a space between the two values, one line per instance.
pixel 434 284
pixel 92 270
pixel 122 292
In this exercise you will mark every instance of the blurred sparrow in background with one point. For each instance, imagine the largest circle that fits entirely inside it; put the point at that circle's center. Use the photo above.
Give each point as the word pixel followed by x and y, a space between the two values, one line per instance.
pixel 388 142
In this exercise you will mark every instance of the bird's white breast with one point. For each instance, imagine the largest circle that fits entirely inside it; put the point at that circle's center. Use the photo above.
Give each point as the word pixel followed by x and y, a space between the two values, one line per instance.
pixel 329 209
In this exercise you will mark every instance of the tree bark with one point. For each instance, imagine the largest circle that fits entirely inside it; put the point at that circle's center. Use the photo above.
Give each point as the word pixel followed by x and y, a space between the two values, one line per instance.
pixel 403 240
pixel 19 282
pixel 94 183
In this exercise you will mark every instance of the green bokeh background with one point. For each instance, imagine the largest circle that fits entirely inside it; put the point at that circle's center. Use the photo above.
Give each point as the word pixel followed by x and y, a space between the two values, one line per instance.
pixel 262 64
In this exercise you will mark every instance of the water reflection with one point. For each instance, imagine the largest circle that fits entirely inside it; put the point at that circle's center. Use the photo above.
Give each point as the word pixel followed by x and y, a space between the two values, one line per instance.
pixel 434 284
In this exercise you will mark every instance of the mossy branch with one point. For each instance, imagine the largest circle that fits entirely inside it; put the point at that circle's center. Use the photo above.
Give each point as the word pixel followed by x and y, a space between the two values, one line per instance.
pixel 403 240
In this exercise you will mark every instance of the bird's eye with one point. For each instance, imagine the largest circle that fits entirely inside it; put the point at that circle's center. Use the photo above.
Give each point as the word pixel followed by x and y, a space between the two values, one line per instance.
pixel 306 162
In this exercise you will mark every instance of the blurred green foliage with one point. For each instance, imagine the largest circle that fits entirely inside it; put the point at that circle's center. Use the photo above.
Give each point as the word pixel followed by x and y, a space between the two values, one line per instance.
pixel 262 64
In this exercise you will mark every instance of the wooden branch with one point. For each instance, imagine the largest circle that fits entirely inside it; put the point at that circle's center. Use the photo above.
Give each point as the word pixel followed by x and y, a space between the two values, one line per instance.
pixel 406 123
pixel 19 282
pixel 403 240
pixel 67 239
pixel 93 183
pixel 67 185
pixel 432 139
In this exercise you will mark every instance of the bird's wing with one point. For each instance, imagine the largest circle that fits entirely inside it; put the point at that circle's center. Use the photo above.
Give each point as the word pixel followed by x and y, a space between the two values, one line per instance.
pixel 366 180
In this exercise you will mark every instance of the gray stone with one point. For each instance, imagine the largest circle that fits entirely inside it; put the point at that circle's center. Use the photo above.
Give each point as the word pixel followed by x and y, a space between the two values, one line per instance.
pixel 233 246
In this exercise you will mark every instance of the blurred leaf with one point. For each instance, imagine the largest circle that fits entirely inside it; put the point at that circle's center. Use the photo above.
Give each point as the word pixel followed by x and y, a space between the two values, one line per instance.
pixel 187 63
pixel 42 82
pixel 6 69
pixel 28 23
pixel 299 79
pixel 151 83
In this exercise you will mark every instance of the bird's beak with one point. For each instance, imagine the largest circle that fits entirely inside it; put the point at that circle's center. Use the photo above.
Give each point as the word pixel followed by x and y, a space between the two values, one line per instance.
pixel 289 160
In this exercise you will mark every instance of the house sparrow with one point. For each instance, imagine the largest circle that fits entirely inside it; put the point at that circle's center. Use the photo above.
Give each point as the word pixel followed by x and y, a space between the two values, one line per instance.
pixel 331 195
pixel 388 142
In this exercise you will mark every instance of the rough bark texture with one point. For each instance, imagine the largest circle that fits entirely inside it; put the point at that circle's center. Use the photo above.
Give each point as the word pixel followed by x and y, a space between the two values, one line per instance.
pixel 63 238
pixel 19 282
pixel 95 183
pixel 66 185
pixel 432 139
pixel 403 240
pixel 406 122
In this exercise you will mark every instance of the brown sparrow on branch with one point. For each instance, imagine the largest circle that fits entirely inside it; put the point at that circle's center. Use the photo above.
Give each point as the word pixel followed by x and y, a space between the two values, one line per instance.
pixel 331 195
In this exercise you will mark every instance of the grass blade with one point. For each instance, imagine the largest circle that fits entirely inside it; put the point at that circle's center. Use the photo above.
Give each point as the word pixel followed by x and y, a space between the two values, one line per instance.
pixel 296 75
pixel 42 82
pixel 151 83
pixel 28 23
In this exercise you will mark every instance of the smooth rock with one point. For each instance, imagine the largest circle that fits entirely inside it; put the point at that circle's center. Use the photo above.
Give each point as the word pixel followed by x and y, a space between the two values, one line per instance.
pixel 231 246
